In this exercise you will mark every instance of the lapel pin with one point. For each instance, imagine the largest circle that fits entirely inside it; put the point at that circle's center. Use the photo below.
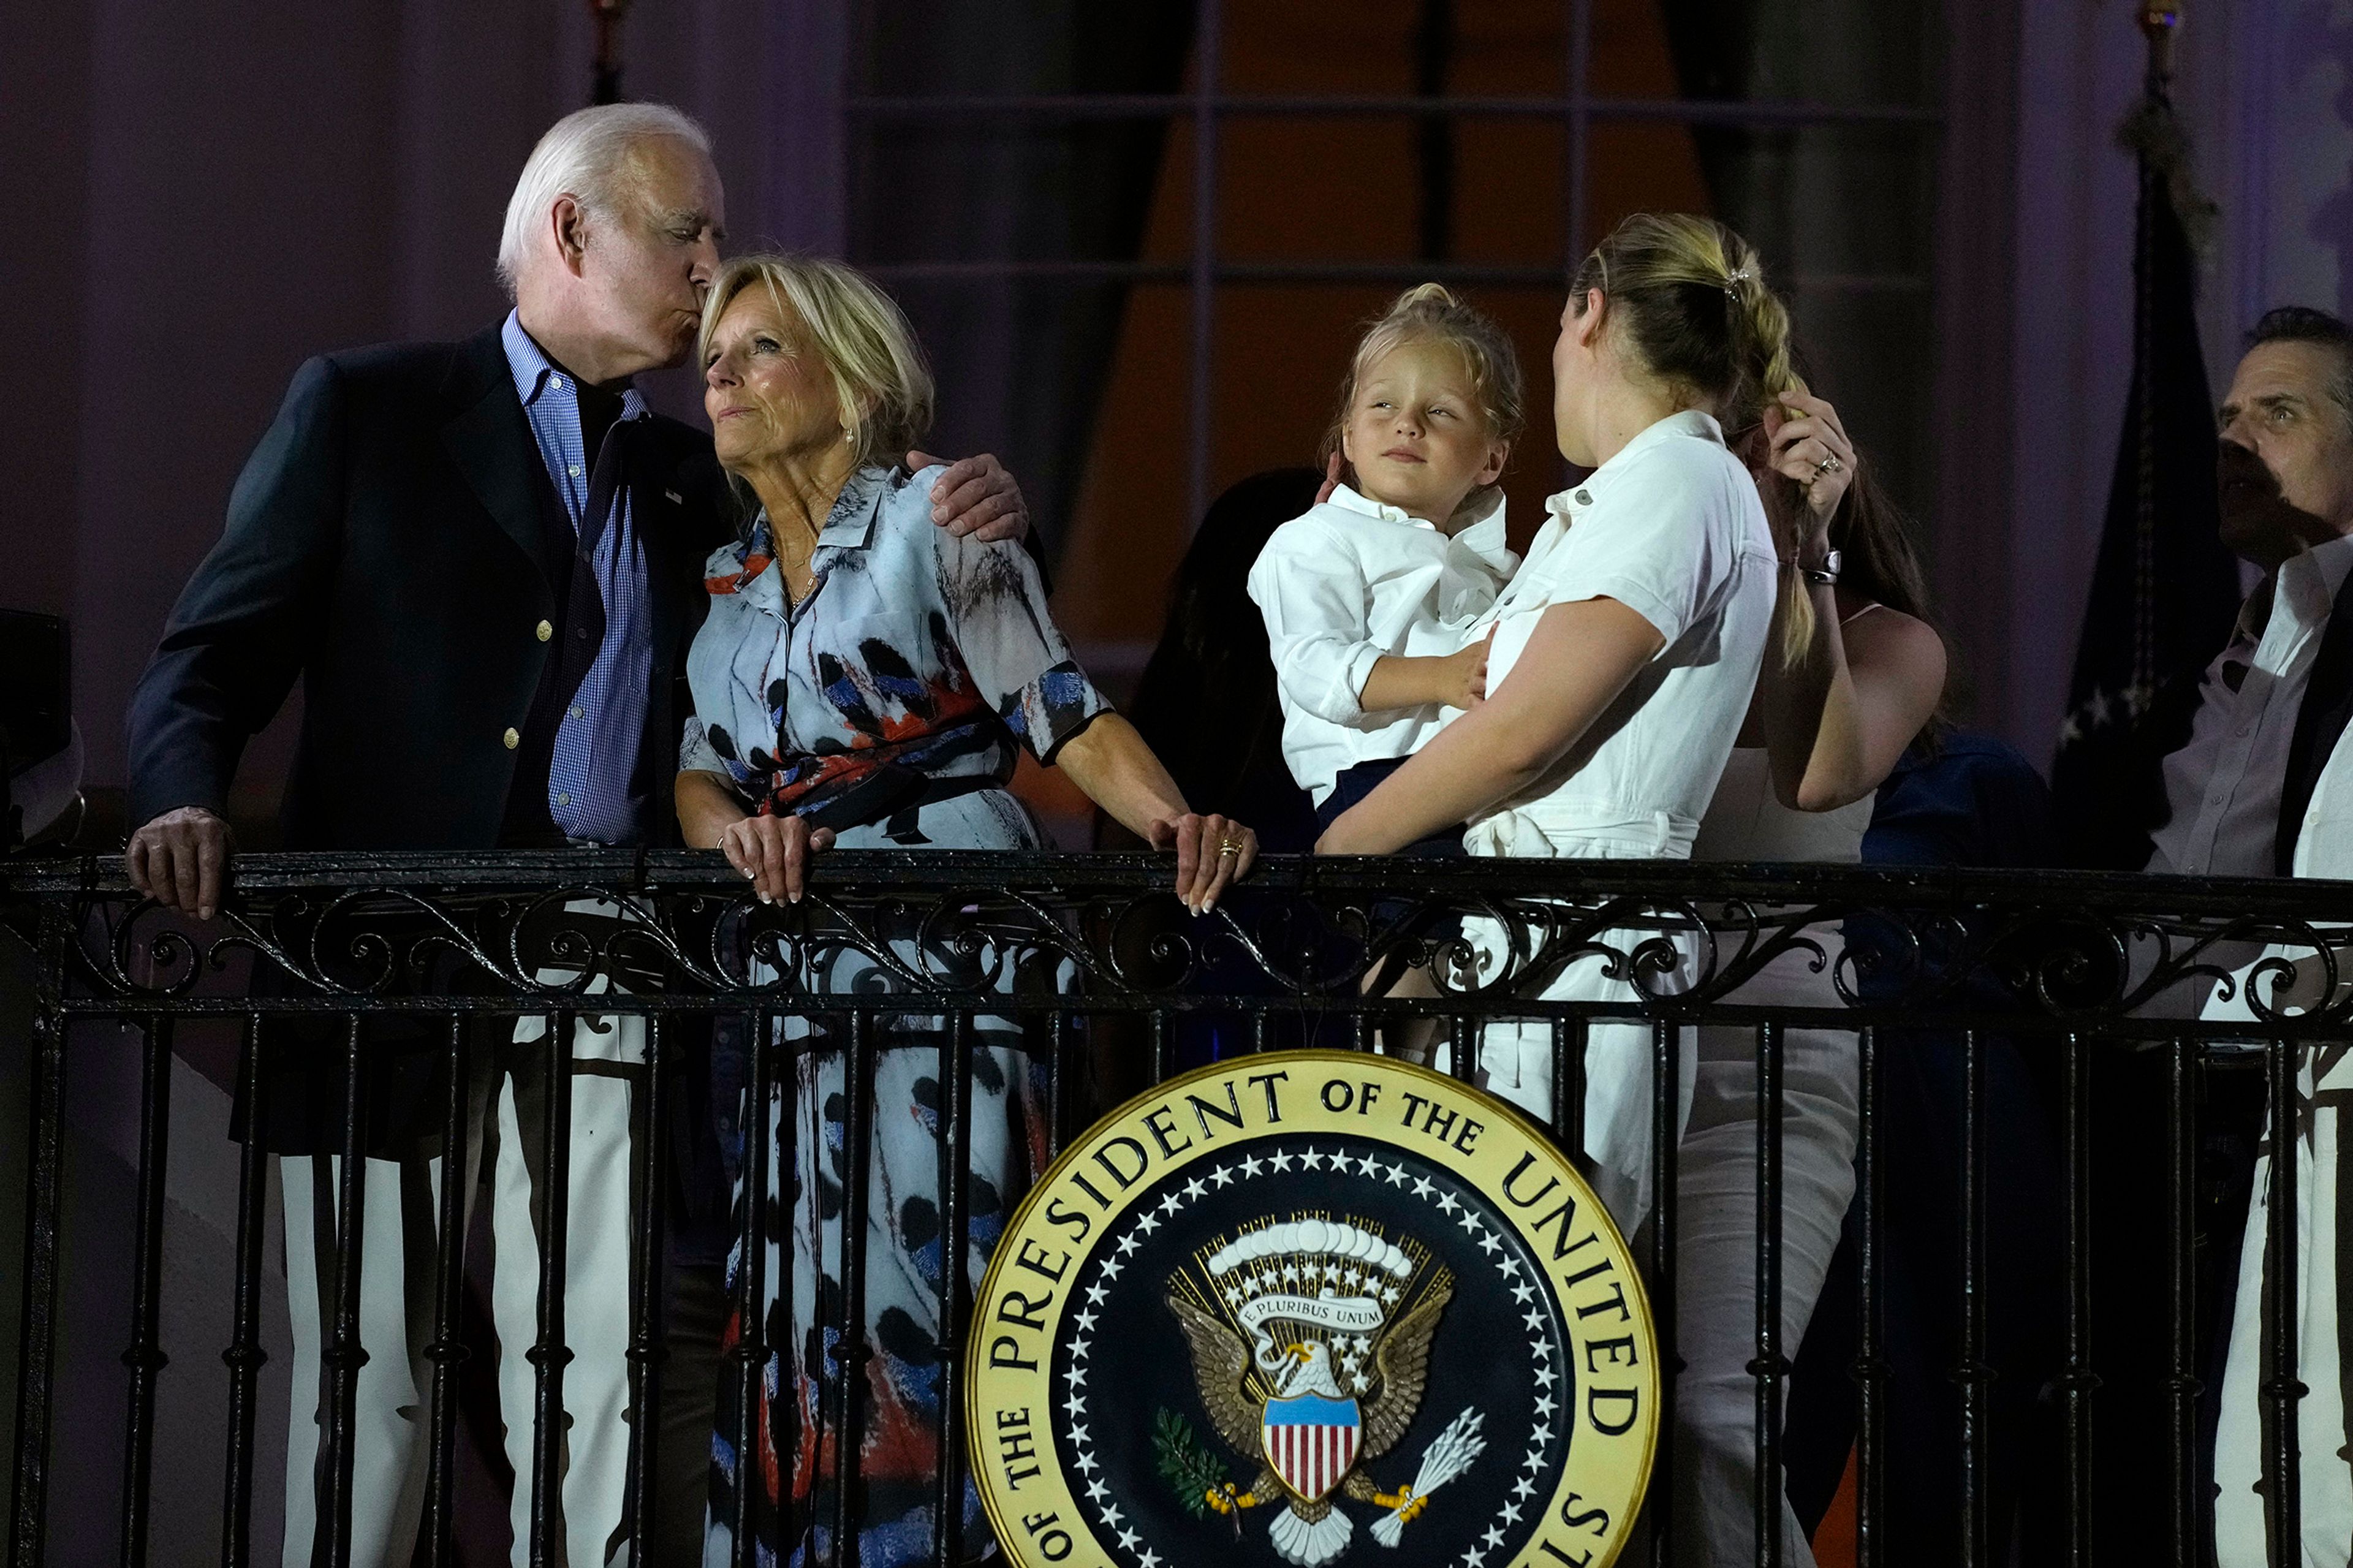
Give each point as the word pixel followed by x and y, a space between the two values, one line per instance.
pixel 675 497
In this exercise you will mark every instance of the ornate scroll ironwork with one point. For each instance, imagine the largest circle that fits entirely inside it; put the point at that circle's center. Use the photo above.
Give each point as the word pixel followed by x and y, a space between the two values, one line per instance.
pixel 943 931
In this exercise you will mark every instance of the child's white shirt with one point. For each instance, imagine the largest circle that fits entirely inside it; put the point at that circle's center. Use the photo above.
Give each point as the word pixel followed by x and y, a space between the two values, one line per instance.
pixel 1350 583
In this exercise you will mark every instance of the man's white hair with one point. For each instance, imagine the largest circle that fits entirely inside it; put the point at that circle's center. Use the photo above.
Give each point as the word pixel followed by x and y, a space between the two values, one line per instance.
pixel 582 156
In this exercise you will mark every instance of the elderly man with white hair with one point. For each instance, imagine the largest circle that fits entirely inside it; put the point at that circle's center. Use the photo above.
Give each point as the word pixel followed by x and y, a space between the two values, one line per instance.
pixel 483 561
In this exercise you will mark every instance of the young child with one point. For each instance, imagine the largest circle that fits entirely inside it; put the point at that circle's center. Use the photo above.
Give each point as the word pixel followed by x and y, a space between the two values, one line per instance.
pixel 1367 595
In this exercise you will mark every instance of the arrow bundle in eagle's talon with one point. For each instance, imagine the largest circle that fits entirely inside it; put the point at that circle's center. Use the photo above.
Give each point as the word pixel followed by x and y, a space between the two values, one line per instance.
pixel 1448 1454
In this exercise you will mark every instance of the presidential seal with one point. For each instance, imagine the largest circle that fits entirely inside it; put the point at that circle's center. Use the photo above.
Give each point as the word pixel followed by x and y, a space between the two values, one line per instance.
pixel 1308 1307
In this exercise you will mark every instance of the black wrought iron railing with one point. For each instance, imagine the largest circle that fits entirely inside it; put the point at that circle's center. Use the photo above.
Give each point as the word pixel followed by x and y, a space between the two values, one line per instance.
pixel 2085 984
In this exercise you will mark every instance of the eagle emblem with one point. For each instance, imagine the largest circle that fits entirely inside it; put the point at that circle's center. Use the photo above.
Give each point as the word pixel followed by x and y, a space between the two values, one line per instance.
pixel 1310 1342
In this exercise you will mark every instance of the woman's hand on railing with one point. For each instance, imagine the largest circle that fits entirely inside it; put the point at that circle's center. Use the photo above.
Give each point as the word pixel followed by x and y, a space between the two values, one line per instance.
pixel 774 852
pixel 1213 852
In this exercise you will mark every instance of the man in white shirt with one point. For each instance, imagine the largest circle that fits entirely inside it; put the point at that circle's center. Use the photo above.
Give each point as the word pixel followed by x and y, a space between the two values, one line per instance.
pixel 2271 709
pixel 2285 473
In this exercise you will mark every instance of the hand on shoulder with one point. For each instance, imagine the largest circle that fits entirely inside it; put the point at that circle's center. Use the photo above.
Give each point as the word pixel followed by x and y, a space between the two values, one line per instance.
pixel 973 497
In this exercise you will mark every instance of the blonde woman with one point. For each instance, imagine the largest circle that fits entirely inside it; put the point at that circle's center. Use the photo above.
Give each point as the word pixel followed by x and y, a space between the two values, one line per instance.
pixel 1626 648
pixel 865 679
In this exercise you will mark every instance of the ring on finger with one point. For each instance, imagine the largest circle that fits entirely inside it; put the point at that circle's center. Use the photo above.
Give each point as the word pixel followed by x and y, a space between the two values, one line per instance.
pixel 1228 847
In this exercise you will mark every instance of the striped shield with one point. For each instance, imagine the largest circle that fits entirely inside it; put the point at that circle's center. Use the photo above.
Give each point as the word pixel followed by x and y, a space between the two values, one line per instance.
pixel 1310 1441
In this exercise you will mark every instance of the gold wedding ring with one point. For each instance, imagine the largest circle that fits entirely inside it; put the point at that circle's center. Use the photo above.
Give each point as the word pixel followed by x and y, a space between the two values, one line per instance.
pixel 1228 847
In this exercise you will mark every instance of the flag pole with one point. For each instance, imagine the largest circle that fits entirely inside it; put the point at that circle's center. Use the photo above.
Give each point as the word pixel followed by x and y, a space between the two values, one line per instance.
pixel 2157 23
pixel 2164 590
pixel 607 87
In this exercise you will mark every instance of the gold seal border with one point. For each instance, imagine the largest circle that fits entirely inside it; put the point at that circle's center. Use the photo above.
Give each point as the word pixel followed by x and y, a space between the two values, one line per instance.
pixel 1592 1508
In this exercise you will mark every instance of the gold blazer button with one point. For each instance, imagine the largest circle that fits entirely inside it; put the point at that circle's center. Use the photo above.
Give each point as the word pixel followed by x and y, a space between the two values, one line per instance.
pixel 513 739
pixel 546 630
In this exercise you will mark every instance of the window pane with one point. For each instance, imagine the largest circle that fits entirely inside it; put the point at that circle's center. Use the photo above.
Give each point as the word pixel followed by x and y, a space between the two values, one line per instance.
pixel 1843 216
pixel 1844 52
pixel 1838 199
pixel 1872 352
pixel 980 49
pixel 978 191
pixel 1393 46
pixel 1508 186
pixel 1128 523
pixel 1294 189
pixel 1366 189
pixel 1641 165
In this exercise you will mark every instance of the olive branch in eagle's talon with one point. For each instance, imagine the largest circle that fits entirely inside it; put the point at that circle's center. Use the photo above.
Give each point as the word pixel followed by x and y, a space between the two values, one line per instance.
pixel 1190 1468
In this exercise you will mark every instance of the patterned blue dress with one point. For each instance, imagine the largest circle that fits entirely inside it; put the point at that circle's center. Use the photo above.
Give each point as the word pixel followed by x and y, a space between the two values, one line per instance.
pixel 889 703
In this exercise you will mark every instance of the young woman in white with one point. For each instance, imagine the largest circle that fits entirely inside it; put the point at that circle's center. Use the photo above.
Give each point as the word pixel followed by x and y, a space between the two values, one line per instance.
pixel 1367 595
pixel 1626 648
pixel 1853 673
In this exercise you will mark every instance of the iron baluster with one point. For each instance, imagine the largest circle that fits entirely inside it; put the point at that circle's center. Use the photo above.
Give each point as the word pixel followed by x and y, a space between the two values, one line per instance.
pixel 1062 1105
pixel 1870 1371
pixel 549 1354
pixel 244 1356
pixel 1972 1374
pixel 345 1354
pixel 955 1240
pixel 2080 1380
pixel 751 1352
pixel 2182 1280
pixel 145 1356
pixel 650 1116
pixel 851 1351
pixel 2283 1458
pixel 1768 1368
pixel 1666 1128
pixel 45 1180
pixel 447 1351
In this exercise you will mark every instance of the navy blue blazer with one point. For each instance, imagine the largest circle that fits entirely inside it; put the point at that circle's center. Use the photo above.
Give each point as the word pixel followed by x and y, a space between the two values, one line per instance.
pixel 386 543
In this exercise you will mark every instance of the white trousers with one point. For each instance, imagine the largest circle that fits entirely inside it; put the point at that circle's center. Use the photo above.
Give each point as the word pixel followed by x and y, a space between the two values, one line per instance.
pixel 392 1412
pixel 1516 1060
pixel 1715 1250
pixel 1515 1064
pixel 2323 1162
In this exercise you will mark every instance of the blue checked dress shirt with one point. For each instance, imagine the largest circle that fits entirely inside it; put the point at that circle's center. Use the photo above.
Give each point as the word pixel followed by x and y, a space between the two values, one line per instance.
pixel 596 741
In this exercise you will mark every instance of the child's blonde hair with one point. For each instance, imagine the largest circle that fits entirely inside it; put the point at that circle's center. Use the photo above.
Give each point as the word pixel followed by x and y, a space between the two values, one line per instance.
pixel 1430 313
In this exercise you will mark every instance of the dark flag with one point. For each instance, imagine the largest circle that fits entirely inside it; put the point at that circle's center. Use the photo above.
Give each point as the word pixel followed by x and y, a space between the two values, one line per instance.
pixel 2164 598
pixel 2165 593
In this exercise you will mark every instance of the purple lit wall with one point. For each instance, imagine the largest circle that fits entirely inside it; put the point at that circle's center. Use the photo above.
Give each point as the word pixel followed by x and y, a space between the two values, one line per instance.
pixel 2265 90
pixel 202 197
